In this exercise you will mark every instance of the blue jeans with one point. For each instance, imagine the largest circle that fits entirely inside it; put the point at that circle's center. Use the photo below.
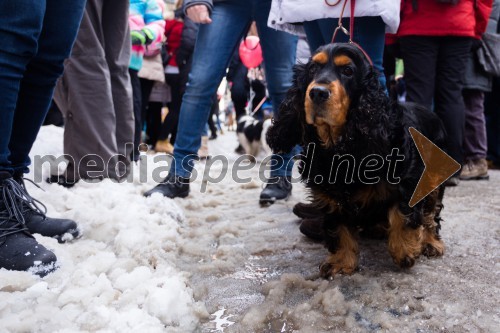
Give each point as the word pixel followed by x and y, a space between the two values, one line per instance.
pixel 369 33
pixel 35 38
pixel 215 45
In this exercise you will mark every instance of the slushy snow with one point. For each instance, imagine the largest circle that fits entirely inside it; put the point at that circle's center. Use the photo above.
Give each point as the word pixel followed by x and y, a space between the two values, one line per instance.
pixel 217 262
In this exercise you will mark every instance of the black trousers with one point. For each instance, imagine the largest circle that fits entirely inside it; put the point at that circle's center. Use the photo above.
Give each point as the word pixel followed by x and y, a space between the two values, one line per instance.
pixel 434 68
pixel 137 95
pixel 171 122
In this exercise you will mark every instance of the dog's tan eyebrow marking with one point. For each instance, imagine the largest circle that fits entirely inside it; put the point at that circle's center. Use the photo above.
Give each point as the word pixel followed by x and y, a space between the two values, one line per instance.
pixel 342 60
pixel 320 58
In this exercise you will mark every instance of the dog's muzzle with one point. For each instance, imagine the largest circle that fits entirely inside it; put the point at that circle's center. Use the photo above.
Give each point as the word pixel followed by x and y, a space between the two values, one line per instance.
pixel 319 94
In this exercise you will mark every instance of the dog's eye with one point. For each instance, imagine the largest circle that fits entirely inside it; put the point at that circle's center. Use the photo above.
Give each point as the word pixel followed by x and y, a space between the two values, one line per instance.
pixel 347 71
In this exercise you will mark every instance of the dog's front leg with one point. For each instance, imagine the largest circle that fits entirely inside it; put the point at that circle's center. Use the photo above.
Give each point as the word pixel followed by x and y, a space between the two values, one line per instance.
pixel 405 237
pixel 344 251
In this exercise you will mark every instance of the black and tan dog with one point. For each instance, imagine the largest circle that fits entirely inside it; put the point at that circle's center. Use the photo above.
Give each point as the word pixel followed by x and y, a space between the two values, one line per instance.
pixel 364 166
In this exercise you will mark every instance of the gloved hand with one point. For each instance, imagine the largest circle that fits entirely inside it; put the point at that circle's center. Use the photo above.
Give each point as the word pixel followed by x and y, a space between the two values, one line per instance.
pixel 142 37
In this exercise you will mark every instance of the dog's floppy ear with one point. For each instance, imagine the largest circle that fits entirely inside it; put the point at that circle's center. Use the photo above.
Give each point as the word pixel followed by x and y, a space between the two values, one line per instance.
pixel 288 126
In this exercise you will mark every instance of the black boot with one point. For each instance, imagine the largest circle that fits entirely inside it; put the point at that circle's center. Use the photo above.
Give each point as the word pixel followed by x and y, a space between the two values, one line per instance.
pixel 277 188
pixel 19 251
pixel 38 223
pixel 171 187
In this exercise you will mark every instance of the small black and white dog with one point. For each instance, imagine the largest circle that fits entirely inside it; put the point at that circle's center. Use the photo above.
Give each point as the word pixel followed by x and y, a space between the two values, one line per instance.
pixel 252 135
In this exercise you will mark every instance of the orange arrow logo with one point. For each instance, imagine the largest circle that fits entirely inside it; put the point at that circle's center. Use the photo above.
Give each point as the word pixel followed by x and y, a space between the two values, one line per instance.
pixel 439 166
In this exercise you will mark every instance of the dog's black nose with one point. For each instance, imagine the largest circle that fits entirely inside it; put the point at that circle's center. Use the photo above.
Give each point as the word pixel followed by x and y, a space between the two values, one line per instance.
pixel 319 94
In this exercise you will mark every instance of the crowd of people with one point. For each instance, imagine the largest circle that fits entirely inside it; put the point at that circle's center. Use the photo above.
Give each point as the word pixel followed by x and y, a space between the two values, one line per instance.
pixel 130 72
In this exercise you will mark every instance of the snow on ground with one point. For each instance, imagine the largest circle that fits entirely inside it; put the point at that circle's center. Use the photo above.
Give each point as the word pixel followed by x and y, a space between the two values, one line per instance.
pixel 218 262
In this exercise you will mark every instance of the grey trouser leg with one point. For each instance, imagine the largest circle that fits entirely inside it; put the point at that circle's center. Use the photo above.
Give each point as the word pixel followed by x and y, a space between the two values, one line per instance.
pixel 95 93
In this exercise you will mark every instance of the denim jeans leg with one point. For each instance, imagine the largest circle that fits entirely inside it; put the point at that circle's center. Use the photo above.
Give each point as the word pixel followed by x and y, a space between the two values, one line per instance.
pixel 369 33
pixel 20 27
pixel 43 70
pixel 215 45
pixel 279 49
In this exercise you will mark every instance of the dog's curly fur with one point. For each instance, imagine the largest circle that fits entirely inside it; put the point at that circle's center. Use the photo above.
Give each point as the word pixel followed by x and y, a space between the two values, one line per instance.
pixel 357 118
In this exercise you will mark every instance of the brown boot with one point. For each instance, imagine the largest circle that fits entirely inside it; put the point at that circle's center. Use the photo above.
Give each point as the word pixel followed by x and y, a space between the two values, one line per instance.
pixel 475 170
pixel 313 228
pixel 203 151
pixel 307 210
pixel 164 146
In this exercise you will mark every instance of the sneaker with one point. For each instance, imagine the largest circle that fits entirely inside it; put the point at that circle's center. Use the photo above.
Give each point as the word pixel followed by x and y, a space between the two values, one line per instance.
pixel 475 170
pixel 313 228
pixel 171 187
pixel 307 210
pixel 164 146
pixel 19 250
pixel 38 223
pixel 277 188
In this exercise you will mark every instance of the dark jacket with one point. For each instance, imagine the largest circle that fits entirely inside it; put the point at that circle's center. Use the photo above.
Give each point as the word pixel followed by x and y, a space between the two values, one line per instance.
pixel 475 77
pixel 185 51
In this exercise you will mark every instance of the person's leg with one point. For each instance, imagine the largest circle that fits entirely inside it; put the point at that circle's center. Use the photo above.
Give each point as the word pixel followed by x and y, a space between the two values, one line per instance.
pixel 37 85
pixel 169 126
pixel 31 59
pixel 369 33
pixel 215 45
pixel 116 34
pixel 492 111
pixel 20 27
pixel 449 103
pixel 137 102
pixel 279 50
pixel 146 89
pixel 319 32
pixel 84 96
pixel 475 146
pixel 420 57
pixel 154 124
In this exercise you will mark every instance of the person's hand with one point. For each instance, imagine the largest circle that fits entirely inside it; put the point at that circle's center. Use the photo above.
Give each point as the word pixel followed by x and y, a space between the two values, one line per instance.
pixel 199 14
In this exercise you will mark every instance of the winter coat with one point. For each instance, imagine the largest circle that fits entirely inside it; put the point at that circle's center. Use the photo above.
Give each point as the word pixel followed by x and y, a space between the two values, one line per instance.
pixel 186 49
pixel 468 18
pixel 475 77
pixel 173 33
pixel 146 14
pixel 286 13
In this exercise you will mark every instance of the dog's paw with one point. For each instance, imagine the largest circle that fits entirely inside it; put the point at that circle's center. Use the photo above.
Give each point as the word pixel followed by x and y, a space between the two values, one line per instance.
pixel 405 262
pixel 436 249
pixel 333 266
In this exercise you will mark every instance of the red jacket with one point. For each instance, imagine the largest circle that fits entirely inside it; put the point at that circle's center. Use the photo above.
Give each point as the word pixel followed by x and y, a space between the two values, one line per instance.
pixel 468 18
pixel 173 32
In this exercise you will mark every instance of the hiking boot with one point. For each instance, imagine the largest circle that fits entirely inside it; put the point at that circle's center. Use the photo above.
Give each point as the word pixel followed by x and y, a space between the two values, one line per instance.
pixel 19 250
pixel 38 223
pixel 277 188
pixel 307 210
pixel 475 170
pixel 171 187
pixel 313 228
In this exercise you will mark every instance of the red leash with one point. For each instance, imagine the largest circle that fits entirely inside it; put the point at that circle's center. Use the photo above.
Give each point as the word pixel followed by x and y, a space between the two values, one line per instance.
pixel 349 33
